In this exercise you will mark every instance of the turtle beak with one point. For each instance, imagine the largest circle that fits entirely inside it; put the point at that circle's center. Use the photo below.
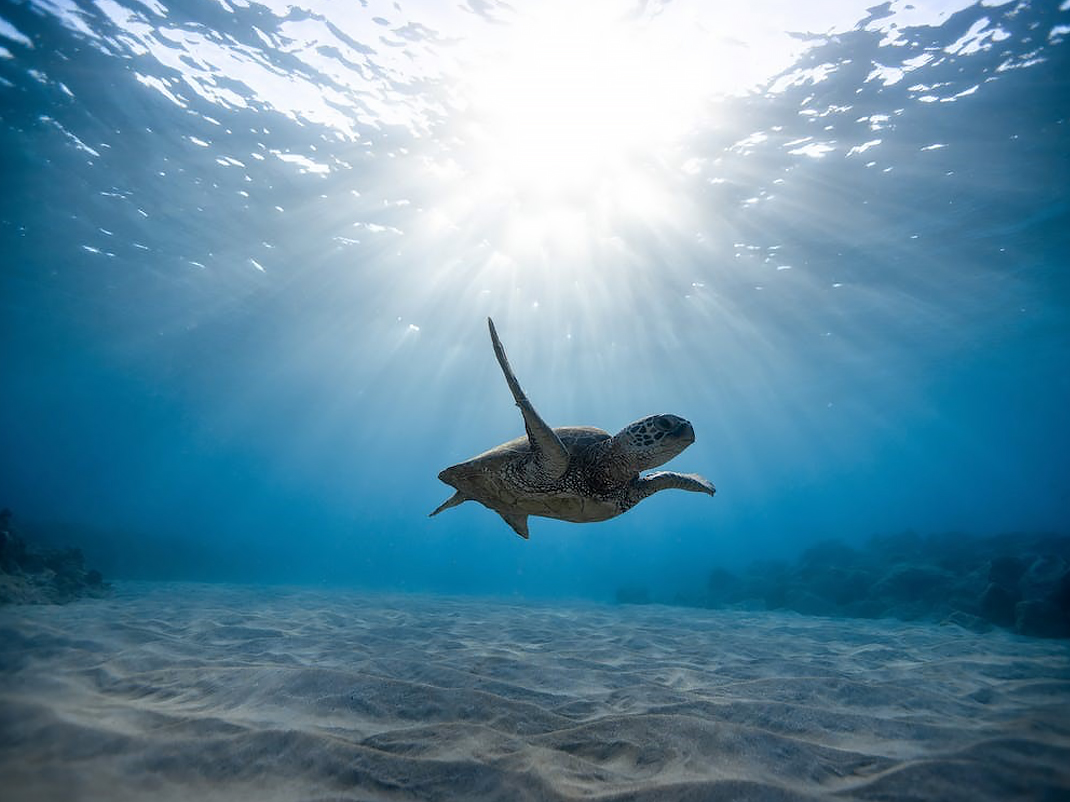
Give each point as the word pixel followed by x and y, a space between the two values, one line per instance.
pixel 685 432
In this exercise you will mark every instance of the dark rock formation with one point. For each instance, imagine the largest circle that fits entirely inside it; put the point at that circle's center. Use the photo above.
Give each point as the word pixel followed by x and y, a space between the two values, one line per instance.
pixel 997 604
pixel 45 576
pixel 912 583
pixel 1041 619
pixel 1041 579
pixel 1016 581
pixel 1005 571
pixel 1060 594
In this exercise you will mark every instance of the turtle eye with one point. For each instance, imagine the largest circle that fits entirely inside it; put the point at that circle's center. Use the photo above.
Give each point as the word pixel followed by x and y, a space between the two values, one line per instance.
pixel 663 422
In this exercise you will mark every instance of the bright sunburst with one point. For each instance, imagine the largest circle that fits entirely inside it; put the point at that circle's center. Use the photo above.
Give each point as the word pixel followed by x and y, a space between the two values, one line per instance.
pixel 571 119
pixel 571 104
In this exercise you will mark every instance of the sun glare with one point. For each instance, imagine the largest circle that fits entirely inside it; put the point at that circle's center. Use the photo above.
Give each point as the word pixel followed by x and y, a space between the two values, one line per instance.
pixel 578 108
pixel 564 108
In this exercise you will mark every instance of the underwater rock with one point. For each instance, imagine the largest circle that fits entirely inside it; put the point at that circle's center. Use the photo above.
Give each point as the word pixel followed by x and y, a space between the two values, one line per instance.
pixel 839 584
pixel 912 583
pixel 967 581
pixel 902 547
pixel 1042 577
pixel 47 576
pixel 997 604
pixel 12 547
pixel 1005 571
pixel 1060 595
pixel 830 553
pixel 1040 619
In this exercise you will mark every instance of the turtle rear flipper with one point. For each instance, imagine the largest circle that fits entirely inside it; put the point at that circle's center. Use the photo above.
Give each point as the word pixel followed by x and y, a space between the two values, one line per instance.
pixel 518 522
pixel 452 501
pixel 550 455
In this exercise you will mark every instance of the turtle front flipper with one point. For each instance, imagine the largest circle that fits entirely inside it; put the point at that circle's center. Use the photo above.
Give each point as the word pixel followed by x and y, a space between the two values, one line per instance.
pixel 551 456
pixel 665 480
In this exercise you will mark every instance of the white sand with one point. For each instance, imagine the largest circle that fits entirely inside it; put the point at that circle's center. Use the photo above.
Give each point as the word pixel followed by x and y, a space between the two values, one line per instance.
pixel 194 692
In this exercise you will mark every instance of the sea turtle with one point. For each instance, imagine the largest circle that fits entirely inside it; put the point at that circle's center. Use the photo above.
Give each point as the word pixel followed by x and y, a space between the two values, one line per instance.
pixel 573 473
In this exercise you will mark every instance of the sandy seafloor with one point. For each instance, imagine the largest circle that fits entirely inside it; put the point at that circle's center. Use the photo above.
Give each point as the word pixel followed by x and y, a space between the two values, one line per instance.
pixel 211 692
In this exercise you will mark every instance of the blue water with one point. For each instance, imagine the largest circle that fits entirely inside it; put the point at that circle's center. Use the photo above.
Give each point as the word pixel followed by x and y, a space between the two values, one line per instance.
pixel 247 252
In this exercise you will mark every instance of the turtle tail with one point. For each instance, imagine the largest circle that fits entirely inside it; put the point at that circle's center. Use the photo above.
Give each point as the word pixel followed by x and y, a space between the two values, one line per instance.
pixel 452 501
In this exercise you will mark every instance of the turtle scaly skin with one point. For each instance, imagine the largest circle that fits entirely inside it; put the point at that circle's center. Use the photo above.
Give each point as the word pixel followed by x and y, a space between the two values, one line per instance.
pixel 572 473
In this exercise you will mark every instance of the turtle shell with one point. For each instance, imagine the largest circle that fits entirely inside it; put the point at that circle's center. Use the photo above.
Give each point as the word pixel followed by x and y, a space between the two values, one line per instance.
pixel 489 479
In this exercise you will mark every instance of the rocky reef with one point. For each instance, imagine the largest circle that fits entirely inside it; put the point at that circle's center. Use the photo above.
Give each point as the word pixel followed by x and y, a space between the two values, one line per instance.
pixel 30 575
pixel 1015 581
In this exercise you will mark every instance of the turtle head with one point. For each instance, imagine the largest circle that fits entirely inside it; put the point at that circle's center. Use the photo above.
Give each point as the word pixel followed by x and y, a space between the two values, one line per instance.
pixel 654 440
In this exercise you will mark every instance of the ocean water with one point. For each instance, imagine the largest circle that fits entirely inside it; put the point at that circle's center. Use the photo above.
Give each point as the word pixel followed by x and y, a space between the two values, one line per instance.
pixel 247 254
pixel 249 249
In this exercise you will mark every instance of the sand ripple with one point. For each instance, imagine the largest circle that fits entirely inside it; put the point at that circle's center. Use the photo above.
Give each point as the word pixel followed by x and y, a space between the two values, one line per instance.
pixel 193 692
